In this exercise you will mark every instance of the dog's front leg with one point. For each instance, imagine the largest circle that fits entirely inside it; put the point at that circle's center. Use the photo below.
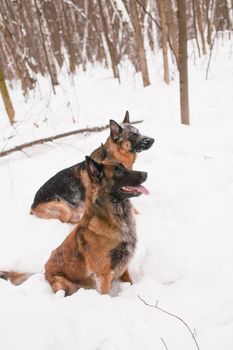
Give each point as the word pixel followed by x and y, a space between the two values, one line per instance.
pixel 103 282
pixel 125 277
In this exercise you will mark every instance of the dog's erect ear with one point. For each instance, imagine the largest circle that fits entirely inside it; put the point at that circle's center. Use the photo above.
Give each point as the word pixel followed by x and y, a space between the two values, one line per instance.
pixel 115 130
pixel 126 118
pixel 103 152
pixel 95 170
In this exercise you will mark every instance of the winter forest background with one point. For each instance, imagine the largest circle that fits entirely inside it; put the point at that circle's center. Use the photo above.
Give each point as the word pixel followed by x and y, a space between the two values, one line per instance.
pixel 71 65
pixel 74 34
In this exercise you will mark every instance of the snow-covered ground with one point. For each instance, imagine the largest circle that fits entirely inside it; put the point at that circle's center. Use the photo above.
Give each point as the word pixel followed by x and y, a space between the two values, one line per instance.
pixel 184 258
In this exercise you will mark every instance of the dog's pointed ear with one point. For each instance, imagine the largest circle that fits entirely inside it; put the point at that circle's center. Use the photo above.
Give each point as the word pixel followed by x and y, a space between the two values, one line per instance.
pixel 103 152
pixel 126 118
pixel 95 170
pixel 115 130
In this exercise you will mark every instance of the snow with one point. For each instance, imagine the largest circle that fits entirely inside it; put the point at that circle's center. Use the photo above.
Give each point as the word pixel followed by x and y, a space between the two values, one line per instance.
pixel 184 255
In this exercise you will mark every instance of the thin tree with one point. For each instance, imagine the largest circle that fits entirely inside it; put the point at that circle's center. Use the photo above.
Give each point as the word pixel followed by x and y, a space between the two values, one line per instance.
pixel 172 27
pixel 164 38
pixel 200 23
pixel 6 99
pixel 210 13
pixel 139 43
pixel 183 61
pixel 195 28
pixel 111 47
pixel 45 38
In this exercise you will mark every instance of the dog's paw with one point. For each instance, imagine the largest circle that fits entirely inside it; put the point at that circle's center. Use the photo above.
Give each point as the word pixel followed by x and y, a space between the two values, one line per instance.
pixel 60 294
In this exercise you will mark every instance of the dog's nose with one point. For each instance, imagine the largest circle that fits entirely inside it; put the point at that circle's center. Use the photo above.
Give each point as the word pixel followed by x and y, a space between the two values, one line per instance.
pixel 146 142
pixel 144 176
pixel 150 142
pixel 143 144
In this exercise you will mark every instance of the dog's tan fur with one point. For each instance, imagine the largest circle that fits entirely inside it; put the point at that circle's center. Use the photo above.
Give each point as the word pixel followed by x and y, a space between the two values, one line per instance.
pixel 82 260
pixel 118 152
pixel 100 246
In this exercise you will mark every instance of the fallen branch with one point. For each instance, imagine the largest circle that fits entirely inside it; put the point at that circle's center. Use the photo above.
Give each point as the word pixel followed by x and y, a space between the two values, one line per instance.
pixel 193 334
pixel 59 136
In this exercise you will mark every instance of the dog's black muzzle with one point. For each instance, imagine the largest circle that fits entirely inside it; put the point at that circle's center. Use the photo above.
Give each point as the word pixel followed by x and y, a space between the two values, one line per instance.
pixel 143 144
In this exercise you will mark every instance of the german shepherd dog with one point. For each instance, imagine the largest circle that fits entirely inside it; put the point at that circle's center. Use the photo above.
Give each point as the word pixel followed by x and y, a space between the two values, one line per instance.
pixel 62 196
pixel 99 248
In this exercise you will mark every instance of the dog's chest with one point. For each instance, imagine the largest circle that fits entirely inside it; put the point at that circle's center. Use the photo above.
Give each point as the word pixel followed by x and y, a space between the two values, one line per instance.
pixel 124 250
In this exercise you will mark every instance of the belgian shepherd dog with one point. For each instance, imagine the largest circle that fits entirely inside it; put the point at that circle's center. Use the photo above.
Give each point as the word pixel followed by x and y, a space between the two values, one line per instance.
pixel 99 248
pixel 62 196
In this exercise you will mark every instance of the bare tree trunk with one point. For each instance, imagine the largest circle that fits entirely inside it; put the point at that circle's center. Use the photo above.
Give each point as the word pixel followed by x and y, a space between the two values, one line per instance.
pixel 46 44
pixel 172 27
pixel 110 45
pixel 183 63
pixel 210 19
pixel 195 28
pixel 200 24
pixel 164 40
pixel 85 37
pixel 6 99
pixel 227 17
pixel 139 43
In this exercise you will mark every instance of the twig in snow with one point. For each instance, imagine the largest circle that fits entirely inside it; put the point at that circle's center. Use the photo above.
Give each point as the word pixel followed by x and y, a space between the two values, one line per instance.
pixel 26 154
pixel 165 345
pixel 193 334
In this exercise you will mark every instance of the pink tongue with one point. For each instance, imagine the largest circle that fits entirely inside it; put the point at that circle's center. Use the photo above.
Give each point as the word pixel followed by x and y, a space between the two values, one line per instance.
pixel 139 188
pixel 142 189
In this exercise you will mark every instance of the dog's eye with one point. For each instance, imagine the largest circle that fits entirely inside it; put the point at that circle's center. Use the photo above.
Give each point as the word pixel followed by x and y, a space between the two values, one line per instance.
pixel 134 135
pixel 118 170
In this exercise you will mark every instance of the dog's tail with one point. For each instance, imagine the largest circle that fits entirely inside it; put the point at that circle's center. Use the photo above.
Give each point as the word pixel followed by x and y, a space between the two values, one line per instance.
pixel 15 278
